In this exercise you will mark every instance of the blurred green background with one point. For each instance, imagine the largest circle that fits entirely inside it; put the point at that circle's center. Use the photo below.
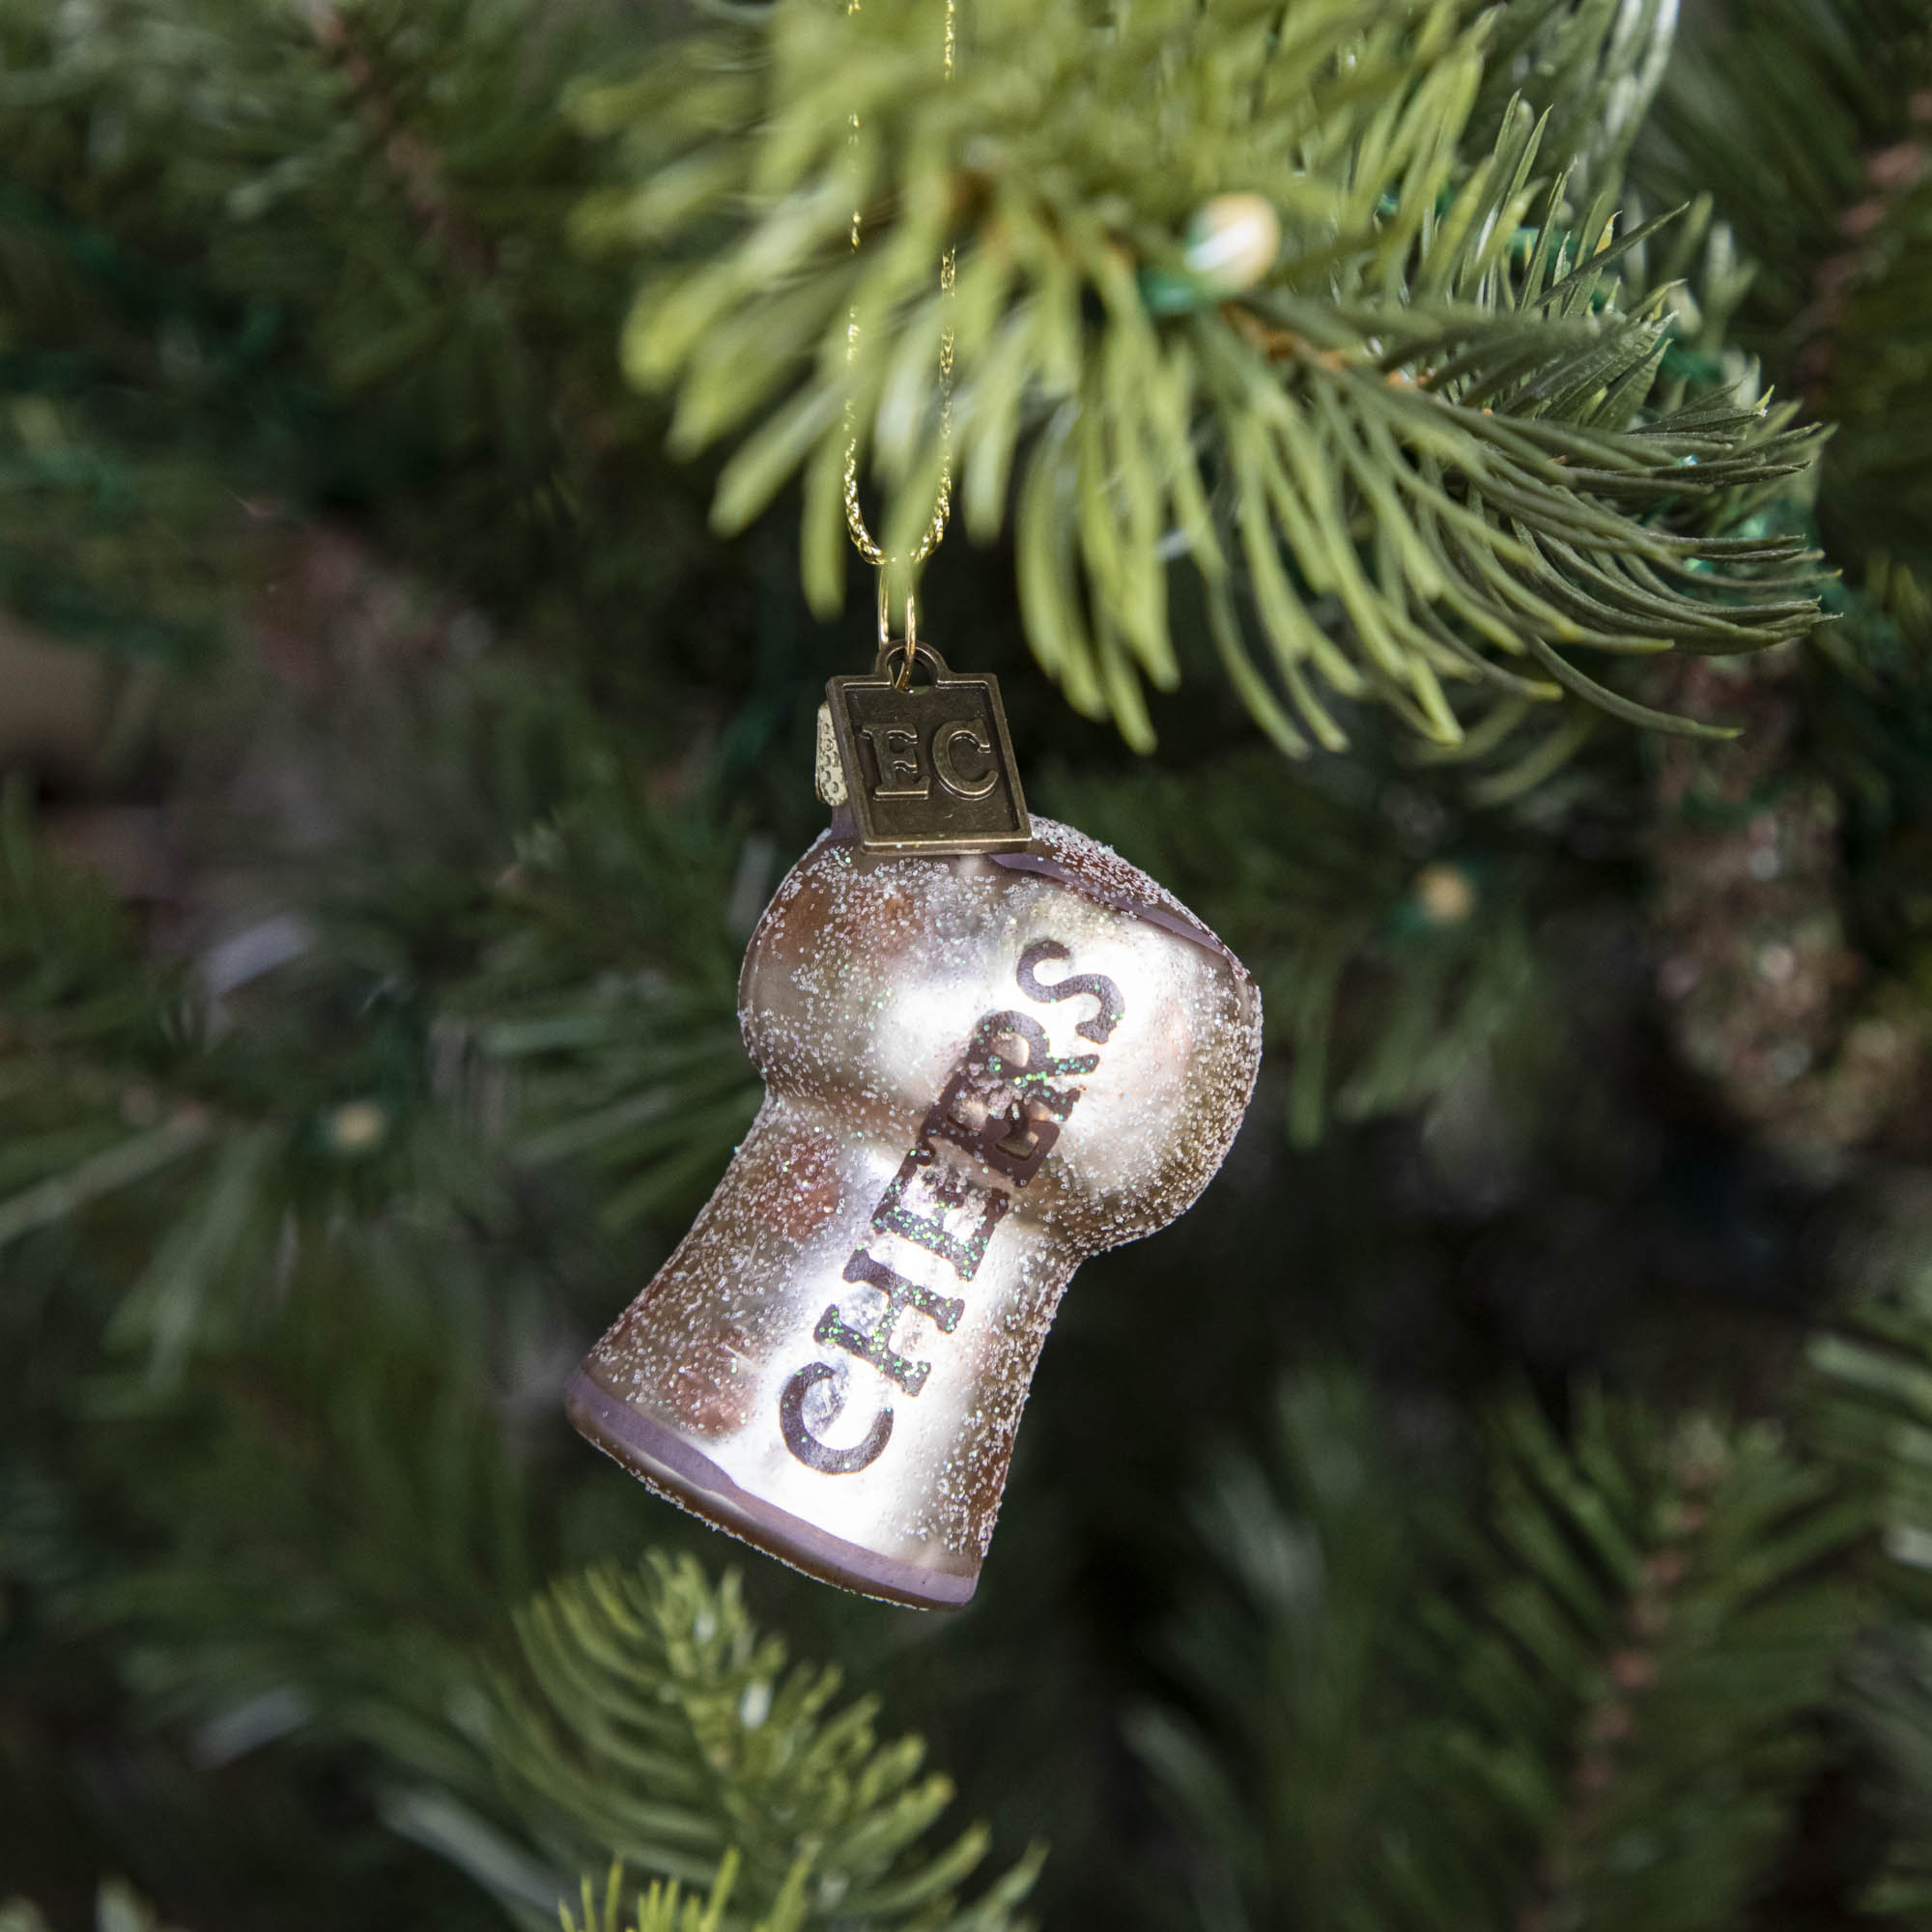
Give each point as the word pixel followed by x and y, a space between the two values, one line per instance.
pixel 1526 1524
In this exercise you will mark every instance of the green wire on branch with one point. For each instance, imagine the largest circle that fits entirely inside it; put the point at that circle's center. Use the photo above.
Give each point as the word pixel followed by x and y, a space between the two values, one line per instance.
pixel 1426 456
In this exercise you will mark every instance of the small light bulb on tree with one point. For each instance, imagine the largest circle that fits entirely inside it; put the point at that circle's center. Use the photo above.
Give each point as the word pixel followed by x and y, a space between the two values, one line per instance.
pixel 1231 243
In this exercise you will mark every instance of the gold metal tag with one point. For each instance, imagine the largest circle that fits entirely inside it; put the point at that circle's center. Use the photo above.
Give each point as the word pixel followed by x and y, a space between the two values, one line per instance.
pixel 929 767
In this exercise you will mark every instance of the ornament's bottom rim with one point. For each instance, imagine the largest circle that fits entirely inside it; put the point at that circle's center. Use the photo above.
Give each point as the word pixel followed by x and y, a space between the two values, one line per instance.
pixel 689 1478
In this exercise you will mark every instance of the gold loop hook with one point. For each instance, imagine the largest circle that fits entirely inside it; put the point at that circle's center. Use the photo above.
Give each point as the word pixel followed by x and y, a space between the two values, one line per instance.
pixel 910 642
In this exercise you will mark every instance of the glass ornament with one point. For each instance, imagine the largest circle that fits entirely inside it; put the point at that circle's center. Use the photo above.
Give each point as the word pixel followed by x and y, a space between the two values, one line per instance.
pixel 980 1068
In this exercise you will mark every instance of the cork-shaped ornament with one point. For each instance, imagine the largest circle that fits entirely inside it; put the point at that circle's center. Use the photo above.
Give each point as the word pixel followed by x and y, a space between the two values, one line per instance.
pixel 980 1068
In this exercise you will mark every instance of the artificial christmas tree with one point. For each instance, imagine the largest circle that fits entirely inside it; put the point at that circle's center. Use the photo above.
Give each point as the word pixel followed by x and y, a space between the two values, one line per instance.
pixel 1392 444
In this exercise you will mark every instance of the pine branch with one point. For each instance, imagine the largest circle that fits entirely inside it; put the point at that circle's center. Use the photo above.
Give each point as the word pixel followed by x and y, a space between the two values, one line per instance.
pixel 1806 119
pixel 1817 89
pixel 1870 1411
pixel 1425 446
pixel 1892 1702
pixel 1284 1653
pixel 443 1035
pixel 1593 65
pixel 118 1908
pixel 651 1721
pixel 665 1908
pixel 291 165
pixel 315 262
pixel 1867 1412
pixel 1584 1697
pixel 409 160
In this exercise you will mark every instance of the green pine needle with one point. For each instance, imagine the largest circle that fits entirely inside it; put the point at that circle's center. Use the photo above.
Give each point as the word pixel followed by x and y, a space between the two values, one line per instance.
pixel 1583 1692
pixel 1429 443
pixel 651 1721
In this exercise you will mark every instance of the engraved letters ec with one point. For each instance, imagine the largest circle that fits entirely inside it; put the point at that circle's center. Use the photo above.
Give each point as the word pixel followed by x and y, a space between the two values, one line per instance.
pixel 929 767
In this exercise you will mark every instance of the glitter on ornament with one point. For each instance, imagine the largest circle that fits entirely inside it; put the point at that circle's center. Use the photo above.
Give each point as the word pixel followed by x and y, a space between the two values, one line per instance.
pixel 980 1068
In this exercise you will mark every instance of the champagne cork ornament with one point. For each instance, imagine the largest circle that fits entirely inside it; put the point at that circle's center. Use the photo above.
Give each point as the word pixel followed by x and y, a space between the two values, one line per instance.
pixel 980 1068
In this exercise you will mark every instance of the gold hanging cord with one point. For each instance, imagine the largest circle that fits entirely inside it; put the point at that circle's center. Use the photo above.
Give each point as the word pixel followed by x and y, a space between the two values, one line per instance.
pixel 863 540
